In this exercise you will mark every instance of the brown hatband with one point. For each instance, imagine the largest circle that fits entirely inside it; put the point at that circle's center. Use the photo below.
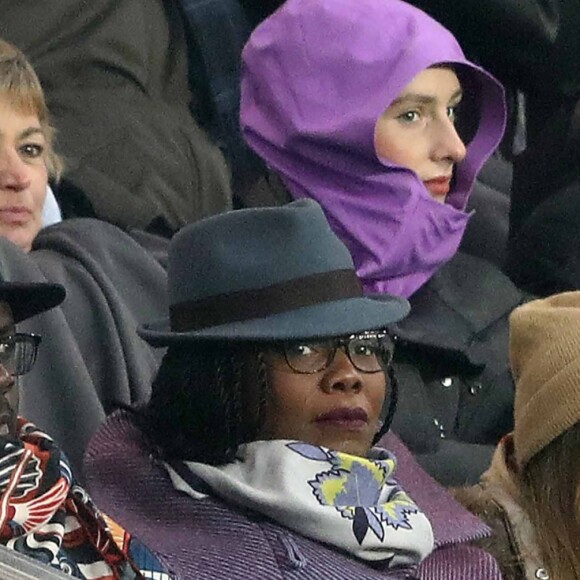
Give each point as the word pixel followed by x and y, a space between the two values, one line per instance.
pixel 262 302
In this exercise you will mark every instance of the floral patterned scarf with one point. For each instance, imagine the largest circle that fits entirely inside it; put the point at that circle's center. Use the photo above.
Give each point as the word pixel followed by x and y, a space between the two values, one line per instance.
pixel 343 500
pixel 45 515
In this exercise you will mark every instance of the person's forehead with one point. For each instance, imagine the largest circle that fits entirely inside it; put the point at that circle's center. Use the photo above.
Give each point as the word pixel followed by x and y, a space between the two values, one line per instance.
pixel 431 82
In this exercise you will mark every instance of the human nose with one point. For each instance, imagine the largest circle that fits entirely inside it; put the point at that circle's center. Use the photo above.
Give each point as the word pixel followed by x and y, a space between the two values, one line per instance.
pixel 14 173
pixel 448 144
pixel 341 374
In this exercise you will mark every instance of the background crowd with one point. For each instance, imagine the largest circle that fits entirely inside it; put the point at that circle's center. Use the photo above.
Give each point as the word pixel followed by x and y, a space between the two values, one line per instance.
pixel 130 129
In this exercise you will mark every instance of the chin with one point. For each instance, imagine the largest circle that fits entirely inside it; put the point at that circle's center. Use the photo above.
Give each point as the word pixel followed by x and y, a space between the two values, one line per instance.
pixel 349 446
pixel 440 198
pixel 22 239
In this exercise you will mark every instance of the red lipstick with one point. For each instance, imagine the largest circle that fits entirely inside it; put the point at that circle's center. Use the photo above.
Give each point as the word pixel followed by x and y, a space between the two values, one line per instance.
pixel 439 186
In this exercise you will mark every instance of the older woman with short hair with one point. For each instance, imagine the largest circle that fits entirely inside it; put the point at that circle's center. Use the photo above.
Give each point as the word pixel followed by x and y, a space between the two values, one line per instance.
pixel 27 156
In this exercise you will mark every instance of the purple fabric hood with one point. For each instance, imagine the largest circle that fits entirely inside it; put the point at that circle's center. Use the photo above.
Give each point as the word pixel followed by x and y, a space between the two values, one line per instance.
pixel 316 75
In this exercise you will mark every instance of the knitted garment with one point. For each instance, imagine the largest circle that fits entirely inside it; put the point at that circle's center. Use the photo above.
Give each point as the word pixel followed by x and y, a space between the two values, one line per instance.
pixel 316 76
pixel 349 502
pixel 46 516
pixel 545 360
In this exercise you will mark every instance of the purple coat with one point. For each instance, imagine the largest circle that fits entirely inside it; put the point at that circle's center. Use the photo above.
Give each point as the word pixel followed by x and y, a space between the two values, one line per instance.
pixel 207 538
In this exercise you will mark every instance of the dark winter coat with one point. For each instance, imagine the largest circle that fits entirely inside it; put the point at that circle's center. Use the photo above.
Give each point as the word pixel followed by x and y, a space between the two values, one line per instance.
pixel 456 391
pixel 544 245
pixel 90 359
pixel 115 74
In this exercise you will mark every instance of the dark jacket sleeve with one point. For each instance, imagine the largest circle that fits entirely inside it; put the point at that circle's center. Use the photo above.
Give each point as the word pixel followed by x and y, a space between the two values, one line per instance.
pixel 544 257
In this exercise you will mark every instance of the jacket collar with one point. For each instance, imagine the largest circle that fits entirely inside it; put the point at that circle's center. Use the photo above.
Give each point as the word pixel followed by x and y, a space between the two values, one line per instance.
pixel 451 522
pixel 465 297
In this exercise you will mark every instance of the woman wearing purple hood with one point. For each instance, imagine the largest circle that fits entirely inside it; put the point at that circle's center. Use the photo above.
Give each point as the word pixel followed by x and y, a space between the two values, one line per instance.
pixel 370 108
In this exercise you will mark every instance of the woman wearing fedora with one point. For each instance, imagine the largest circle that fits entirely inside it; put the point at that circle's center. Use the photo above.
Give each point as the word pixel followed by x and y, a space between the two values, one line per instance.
pixel 255 456
pixel 45 515
pixel 371 109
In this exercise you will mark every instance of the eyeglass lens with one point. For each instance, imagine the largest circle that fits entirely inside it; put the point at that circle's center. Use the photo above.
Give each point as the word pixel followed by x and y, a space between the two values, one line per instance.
pixel 367 353
pixel 18 353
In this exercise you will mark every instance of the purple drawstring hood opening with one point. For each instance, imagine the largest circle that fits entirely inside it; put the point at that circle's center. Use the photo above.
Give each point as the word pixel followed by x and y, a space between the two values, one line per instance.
pixel 316 76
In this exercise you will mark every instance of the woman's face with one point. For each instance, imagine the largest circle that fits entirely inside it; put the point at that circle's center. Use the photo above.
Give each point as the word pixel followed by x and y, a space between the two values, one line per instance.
pixel 23 175
pixel 417 131
pixel 338 407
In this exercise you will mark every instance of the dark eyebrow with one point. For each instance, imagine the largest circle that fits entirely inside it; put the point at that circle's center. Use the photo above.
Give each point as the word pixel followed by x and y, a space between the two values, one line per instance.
pixel 423 99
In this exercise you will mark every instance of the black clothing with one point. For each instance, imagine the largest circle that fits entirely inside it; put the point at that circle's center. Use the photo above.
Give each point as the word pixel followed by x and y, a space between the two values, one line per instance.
pixel 451 360
pixel 456 390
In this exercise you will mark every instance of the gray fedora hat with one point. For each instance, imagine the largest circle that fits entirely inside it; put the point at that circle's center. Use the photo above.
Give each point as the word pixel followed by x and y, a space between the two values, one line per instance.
pixel 276 273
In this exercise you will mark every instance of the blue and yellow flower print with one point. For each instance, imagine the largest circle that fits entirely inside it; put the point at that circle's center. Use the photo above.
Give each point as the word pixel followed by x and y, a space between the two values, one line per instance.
pixel 356 488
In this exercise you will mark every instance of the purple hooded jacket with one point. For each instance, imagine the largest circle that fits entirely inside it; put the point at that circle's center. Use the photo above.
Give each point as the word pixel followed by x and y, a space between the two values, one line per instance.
pixel 316 76
pixel 207 538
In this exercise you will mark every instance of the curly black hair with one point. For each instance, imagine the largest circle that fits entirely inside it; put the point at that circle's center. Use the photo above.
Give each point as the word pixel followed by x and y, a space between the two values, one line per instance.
pixel 200 409
pixel 196 408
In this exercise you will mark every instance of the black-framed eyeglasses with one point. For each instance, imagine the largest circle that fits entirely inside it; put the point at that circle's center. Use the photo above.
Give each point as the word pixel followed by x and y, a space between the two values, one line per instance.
pixel 369 352
pixel 18 352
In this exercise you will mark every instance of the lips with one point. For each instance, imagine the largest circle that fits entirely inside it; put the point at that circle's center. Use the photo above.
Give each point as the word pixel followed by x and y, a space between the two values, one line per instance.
pixel 348 418
pixel 438 186
pixel 15 214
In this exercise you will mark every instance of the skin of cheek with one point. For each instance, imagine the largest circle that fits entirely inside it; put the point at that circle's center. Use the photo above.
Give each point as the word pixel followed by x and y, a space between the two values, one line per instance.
pixel 296 400
pixel 391 145
pixel 23 234
pixel 29 188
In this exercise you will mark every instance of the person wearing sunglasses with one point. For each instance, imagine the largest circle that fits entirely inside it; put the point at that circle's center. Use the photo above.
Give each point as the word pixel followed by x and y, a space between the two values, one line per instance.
pixel 45 514
pixel 261 453
pixel 18 302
